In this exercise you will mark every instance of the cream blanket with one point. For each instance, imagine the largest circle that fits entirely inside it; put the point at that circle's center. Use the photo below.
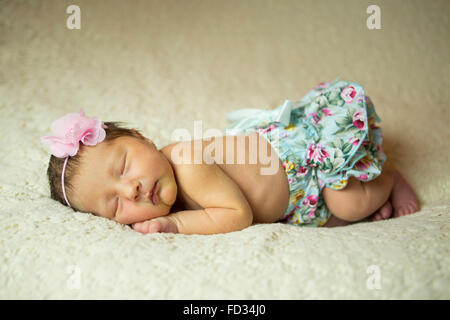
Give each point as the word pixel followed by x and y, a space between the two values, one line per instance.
pixel 161 65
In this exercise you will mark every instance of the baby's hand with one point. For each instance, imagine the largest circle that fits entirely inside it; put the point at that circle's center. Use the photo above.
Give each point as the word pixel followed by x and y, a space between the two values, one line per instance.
pixel 161 224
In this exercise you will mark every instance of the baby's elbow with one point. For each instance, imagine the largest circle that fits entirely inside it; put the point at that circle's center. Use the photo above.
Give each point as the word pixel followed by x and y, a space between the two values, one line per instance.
pixel 248 218
pixel 239 220
pixel 245 218
pixel 226 220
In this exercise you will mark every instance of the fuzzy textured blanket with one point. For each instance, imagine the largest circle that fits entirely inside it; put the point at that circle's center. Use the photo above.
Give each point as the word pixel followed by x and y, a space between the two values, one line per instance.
pixel 161 65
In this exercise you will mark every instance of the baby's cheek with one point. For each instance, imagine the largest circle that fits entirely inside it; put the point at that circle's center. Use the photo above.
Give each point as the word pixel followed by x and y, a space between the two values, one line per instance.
pixel 136 212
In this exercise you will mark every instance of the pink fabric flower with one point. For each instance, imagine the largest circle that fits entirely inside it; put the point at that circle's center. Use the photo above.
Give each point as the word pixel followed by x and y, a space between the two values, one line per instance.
pixel 311 200
pixel 72 128
pixel 358 119
pixel 268 129
pixel 327 112
pixel 314 116
pixel 302 171
pixel 354 141
pixel 363 176
pixel 348 94
pixel 312 213
pixel 316 153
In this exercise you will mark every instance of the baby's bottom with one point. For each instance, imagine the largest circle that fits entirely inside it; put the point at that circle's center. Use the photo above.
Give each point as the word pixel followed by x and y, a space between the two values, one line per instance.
pixel 358 200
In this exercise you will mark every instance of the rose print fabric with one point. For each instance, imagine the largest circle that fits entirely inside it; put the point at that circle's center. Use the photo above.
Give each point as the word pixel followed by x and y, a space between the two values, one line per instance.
pixel 322 140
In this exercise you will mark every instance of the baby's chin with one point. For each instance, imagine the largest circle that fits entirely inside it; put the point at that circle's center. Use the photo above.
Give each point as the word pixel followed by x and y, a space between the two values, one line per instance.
pixel 161 209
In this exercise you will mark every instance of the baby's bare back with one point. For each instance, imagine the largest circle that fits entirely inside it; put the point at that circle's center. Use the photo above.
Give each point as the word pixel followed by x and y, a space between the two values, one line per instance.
pixel 252 163
pixel 267 194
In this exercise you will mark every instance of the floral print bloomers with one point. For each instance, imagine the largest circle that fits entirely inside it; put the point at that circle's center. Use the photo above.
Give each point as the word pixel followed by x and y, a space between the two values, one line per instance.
pixel 322 140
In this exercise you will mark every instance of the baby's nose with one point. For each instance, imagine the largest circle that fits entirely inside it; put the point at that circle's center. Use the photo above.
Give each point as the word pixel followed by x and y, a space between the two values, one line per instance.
pixel 133 191
pixel 136 192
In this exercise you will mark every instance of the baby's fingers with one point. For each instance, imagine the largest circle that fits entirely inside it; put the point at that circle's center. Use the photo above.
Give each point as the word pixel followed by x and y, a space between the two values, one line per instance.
pixel 147 226
pixel 137 226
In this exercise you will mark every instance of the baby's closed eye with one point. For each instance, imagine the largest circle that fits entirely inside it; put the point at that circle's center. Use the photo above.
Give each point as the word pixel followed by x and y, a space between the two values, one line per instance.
pixel 124 163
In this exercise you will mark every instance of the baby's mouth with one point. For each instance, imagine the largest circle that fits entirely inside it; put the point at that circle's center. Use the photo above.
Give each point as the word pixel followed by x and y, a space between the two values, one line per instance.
pixel 153 194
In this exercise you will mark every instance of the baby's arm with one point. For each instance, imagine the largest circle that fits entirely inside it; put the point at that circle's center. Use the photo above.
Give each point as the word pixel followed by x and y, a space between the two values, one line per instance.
pixel 225 208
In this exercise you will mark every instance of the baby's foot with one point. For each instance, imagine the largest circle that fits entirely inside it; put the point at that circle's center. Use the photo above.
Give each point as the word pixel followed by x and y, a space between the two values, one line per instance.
pixel 402 197
pixel 384 212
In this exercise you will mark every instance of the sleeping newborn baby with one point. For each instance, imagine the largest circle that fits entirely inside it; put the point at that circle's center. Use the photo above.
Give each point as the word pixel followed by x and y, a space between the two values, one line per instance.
pixel 317 163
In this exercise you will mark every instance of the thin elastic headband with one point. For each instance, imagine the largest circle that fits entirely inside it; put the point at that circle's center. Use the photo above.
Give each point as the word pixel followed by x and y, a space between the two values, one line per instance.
pixel 68 132
pixel 62 181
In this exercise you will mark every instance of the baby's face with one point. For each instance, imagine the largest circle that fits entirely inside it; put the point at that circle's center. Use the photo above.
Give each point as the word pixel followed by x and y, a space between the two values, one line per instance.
pixel 116 179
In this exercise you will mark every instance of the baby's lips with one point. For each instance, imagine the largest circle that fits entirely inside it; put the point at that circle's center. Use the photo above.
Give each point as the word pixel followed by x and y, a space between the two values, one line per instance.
pixel 155 198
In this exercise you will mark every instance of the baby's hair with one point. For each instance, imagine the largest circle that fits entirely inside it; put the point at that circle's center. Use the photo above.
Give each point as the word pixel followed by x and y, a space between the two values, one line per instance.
pixel 115 130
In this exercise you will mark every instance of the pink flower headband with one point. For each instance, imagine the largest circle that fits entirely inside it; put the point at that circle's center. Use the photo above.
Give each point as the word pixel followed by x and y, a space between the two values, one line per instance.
pixel 68 131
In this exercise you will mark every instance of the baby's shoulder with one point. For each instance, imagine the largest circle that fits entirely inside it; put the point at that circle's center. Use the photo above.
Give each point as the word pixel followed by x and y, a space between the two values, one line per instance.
pixel 201 179
pixel 186 154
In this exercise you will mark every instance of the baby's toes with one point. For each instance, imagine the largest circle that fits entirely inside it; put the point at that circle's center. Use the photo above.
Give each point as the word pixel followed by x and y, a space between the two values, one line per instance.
pixel 415 207
pixel 376 216
pixel 386 210
pixel 400 212
pixel 404 210
pixel 412 208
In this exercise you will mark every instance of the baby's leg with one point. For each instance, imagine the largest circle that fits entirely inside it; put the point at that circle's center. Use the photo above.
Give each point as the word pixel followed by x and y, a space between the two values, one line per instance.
pixel 359 200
